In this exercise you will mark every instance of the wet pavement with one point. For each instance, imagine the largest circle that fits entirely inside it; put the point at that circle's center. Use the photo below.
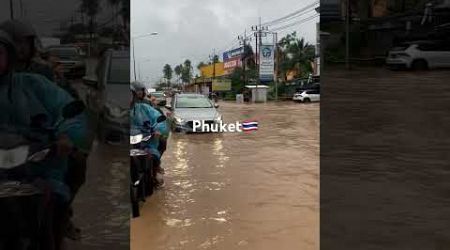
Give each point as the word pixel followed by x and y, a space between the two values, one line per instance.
pixel 257 190
pixel 102 207
pixel 385 161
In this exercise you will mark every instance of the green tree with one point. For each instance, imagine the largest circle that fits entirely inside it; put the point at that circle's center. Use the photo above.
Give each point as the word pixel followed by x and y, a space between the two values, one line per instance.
pixel 200 65
pixel 187 71
pixel 215 59
pixel 167 71
pixel 178 71
pixel 91 8
pixel 295 54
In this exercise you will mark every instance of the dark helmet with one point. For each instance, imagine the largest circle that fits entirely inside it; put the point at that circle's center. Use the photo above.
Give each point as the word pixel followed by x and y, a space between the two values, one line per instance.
pixel 20 29
pixel 6 40
pixel 17 29
pixel 135 86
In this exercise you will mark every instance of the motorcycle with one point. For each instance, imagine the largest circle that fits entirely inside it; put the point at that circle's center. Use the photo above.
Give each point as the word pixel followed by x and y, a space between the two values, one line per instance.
pixel 142 175
pixel 25 200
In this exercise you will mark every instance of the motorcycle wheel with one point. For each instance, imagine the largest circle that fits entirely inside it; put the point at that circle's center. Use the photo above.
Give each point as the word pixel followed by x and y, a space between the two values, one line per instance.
pixel 134 202
pixel 149 183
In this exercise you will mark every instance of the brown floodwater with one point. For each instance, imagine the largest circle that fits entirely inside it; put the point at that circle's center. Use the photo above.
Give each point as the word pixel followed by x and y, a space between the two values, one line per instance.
pixel 257 190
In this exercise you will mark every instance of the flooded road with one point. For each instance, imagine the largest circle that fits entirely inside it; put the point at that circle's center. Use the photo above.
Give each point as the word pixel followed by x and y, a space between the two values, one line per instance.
pixel 102 206
pixel 257 190
pixel 385 163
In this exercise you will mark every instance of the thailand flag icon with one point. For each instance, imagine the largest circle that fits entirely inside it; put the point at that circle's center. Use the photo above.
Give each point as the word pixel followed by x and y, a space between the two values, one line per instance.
pixel 249 125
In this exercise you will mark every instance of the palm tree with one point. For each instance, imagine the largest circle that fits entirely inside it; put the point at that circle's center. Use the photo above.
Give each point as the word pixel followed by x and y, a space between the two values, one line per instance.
pixel 295 53
pixel 167 71
pixel 91 8
pixel 178 70
pixel 186 73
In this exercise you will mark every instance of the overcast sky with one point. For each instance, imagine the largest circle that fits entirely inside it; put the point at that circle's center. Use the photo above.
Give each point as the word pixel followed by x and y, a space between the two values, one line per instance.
pixel 47 15
pixel 192 29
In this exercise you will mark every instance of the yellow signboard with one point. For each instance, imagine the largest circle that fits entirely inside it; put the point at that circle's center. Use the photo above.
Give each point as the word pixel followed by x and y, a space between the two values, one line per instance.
pixel 208 71
pixel 221 85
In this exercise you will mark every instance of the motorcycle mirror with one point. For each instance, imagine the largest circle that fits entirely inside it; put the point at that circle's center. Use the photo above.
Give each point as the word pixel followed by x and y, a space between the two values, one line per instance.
pixel 39 156
pixel 161 119
pixel 147 138
pixel 73 109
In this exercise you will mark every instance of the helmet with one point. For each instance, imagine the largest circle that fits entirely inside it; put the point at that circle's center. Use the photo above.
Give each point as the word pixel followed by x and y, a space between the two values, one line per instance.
pixel 6 39
pixel 21 29
pixel 135 86
pixel 16 28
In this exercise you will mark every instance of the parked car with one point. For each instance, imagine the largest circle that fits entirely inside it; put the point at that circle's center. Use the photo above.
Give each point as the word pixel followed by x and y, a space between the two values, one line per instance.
pixel 109 95
pixel 308 86
pixel 419 55
pixel 307 96
pixel 160 97
pixel 185 108
pixel 70 58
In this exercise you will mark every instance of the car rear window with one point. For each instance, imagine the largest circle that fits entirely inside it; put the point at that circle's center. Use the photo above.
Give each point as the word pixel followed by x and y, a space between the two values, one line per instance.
pixel 193 102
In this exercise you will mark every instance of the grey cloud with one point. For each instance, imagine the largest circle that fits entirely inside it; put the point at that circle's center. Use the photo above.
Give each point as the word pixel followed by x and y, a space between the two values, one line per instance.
pixel 191 29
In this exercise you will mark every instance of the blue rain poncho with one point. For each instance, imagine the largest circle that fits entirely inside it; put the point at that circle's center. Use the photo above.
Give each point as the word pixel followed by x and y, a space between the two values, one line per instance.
pixel 25 95
pixel 141 113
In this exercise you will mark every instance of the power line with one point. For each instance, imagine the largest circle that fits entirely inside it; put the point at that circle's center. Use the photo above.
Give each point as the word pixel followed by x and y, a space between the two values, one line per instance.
pixel 295 13
pixel 296 23
pixel 311 11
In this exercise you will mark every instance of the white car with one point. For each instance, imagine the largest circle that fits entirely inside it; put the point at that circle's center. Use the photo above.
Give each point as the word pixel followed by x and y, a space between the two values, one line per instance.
pixel 419 55
pixel 307 96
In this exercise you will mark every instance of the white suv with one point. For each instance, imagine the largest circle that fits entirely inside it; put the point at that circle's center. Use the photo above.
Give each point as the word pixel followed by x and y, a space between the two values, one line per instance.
pixel 420 55
pixel 307 96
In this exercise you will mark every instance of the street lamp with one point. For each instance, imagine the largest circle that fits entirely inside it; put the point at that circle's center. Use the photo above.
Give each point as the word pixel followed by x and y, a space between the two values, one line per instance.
pixel 132 40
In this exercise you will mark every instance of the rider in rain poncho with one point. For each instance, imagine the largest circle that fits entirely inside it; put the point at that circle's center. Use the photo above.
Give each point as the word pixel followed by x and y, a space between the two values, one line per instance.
pixel 142 112
pixel 24 96
pixel 28 48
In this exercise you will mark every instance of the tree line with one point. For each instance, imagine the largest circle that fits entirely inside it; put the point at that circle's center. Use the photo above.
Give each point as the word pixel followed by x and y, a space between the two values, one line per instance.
pixel 294 54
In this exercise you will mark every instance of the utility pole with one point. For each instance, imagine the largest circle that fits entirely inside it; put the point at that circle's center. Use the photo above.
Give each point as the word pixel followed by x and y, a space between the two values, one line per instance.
pixel 11 9
pixel 214 64
pixel 244 57
pixel 213 61
pixel 134 60
pixel 255 28
pixel 276 66
pixel 21 8
pixel 258 35
pixel 347 35
pixel 243 42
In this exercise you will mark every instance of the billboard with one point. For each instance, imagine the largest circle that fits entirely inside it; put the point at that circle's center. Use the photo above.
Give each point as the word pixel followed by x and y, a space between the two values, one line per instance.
pixel 266 63
pixel 232 59
pixel 221 85
pixel 232 63
pixel 233 53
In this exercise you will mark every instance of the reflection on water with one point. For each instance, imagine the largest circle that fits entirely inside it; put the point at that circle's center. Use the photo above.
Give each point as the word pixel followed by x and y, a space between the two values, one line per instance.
pixel 104 193
pixel 239 190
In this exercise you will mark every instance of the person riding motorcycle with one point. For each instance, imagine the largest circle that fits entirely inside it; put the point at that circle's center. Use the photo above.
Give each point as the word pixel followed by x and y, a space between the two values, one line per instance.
pixel 165 134
pixel 141 112
pixel 24 96
pixel 26 41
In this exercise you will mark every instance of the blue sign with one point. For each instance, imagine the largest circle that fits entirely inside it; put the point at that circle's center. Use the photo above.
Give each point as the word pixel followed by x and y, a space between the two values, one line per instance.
pixel 266 63
pixel 233 53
